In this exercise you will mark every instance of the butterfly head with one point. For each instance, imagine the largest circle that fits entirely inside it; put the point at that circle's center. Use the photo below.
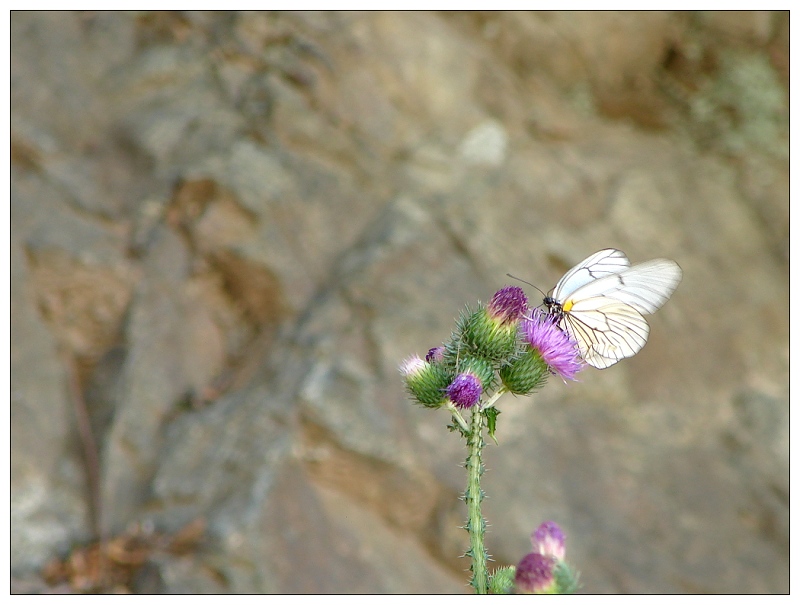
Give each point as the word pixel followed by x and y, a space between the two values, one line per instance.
pixel 553 306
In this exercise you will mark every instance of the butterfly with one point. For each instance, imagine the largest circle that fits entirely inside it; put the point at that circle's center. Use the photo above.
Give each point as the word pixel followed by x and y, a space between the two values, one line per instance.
pixel 601 301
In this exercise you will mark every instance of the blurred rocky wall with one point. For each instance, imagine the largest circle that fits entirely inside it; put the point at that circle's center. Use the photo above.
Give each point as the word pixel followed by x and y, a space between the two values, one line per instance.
pixel 229 228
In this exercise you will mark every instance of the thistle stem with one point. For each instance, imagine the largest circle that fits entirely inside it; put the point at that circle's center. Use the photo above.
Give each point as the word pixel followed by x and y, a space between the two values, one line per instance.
pixel 458 417
pixel 493 399
pixel 476 525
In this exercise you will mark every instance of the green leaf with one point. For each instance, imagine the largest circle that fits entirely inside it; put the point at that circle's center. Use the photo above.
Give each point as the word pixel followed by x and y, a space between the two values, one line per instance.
pixel 491 421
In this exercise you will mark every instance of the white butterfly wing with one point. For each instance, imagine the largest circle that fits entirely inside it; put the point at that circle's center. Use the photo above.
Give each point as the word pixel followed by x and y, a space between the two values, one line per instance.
pixel 603 298
pixel 606 330
pixel 598 265
pixel 645 287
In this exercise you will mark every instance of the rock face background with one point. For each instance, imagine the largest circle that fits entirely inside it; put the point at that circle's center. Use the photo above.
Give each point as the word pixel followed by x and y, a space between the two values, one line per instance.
pixel 228 230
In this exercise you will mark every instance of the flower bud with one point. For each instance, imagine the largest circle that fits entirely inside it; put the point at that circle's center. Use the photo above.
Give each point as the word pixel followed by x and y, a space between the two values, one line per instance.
pixel 548 539
pixel 435 355
pixel 508 305
pixel 483 369
pixel 534 575
pixel 525 373
pixel 426 382
pixel 502 580
pixel 491 331
pixel 465 390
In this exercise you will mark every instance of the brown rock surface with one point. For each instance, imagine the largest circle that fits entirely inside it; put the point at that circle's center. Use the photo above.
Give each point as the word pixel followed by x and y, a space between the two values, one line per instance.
pixel 229 228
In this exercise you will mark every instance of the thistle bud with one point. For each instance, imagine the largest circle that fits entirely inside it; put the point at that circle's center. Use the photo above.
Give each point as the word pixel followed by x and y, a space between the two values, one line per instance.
pixel 508 305
pixel 426 382
pixel 491 331
pixel 481 368
pixel 534 575
pixel 548 539
pixel 435 355
pixel 502 580
pixel 465 390
pixel 526 373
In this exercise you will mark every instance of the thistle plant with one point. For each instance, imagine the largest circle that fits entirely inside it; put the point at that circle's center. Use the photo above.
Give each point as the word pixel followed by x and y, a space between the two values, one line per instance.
pixel 500 347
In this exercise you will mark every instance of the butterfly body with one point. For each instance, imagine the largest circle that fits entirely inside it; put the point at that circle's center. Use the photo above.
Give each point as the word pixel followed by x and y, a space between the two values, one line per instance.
pixel 601 302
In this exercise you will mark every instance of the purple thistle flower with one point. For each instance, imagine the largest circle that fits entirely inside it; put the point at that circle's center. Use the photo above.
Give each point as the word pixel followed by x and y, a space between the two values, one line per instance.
pixel 507 305
pixel 548 539
pixel 556 347
pixel 465 390
pixel 534 574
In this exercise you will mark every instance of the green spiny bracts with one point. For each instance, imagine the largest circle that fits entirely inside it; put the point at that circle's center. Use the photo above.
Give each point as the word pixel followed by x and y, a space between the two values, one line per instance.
pixel 525 373
pixel 502 580
pixel 482 368
pixel 426 382
pixel 485 336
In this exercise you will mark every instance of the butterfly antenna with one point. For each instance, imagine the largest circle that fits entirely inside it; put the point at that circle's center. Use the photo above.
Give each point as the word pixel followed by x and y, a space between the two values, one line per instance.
pixel 525 282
